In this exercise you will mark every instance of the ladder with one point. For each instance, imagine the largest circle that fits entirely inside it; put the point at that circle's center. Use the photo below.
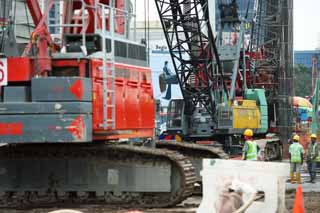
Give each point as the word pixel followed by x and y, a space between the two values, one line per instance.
pixel 108 80
pixel 108 67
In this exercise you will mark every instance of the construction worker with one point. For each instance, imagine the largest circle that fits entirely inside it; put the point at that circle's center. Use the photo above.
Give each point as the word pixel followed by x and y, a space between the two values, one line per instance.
pixel 296 159
pixel 250 149
pixel 312 157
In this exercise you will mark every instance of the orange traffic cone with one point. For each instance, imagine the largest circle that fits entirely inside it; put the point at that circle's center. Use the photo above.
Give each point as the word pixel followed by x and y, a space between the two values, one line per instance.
pixel 298 206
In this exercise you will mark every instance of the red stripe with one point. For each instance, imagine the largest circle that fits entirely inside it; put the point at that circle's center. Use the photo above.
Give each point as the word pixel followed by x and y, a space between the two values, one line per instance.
pixel 11 128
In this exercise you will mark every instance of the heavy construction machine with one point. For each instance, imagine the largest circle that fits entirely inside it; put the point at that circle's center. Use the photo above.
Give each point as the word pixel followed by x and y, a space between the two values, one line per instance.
pixel 234 74
pixel 77 111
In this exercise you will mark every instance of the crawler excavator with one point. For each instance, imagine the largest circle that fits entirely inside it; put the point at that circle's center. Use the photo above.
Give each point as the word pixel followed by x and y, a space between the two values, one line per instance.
pixel 234 74
pixel 77 111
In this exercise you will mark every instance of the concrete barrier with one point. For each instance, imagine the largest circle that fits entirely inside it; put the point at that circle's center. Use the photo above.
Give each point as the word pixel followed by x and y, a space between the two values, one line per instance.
pixel 219 176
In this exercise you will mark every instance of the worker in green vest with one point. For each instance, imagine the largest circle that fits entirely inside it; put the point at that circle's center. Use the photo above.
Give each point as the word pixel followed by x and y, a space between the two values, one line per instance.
pixel 296 159
pixel 250 149
pixel 312 157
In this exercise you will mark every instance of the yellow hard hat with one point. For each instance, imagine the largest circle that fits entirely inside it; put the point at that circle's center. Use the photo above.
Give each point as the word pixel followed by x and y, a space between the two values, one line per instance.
pixel 313 136
pixel 248 132
pixel 296 138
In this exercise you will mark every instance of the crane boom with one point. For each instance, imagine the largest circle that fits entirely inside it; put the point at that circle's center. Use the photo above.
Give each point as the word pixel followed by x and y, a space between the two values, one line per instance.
pixel 191 43
pixel 242 78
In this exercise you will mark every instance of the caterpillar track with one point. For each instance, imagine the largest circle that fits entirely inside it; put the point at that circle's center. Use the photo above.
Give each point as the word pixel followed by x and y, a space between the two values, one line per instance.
pixel 47 164
pixel 195 149
pixel 194 152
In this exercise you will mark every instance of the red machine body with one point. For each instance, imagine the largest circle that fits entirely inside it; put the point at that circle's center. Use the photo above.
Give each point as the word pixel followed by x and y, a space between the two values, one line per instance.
pixel 134 95
pixel 77 113
pixel 134 101
pixel 20 69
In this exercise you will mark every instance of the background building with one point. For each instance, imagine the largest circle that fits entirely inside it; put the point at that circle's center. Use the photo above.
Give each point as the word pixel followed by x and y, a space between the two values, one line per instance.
pixel 304 57
pixel 24 22
pixel 159 53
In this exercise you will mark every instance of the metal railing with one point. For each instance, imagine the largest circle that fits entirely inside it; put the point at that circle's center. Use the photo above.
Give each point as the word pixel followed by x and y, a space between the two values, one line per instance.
pixel 104 11
pixel 61 26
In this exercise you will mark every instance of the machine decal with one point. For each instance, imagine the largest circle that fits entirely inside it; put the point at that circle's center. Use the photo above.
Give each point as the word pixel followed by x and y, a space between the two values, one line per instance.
pixel 11 128
pixel 77 128
pixel 3 72
pixel 77 89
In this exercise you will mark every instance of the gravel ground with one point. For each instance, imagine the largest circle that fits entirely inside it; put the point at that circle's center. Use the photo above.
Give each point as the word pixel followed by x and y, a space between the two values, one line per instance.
pixel 311 194
pixel 311 199
pixel 188 206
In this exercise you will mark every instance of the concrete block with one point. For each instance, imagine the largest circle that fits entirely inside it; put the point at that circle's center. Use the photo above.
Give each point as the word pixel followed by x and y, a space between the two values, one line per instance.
pixel 262 176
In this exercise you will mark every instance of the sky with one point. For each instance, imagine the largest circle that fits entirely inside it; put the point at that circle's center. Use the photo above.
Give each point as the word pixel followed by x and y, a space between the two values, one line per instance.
pixel 306 22
pixel 306 26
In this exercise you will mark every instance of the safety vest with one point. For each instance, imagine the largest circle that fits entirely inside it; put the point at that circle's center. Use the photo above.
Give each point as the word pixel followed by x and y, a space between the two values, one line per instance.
pixel 295 151
pixel 318 157
pixel 252 152
pixel 312 149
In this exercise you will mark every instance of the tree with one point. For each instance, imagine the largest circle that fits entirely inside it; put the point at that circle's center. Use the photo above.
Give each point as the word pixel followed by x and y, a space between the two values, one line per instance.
pixel 302 80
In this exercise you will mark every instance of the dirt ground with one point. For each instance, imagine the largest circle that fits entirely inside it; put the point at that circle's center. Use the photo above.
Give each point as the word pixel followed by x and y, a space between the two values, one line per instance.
pixel 188 206
pixel 311 199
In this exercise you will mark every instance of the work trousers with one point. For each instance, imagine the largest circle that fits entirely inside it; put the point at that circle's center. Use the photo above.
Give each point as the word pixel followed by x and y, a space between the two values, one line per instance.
pixel 312 167
pixel 295 167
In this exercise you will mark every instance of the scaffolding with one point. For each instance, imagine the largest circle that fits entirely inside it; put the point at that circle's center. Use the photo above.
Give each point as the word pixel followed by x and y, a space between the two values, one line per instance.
pixel 272 43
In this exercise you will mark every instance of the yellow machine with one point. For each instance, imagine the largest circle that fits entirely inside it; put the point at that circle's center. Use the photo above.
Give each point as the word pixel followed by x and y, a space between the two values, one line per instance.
pixel 246 115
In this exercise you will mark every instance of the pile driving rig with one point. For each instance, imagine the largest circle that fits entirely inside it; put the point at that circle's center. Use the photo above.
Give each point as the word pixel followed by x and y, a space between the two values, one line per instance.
pixel 231 79
pixel 77 109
